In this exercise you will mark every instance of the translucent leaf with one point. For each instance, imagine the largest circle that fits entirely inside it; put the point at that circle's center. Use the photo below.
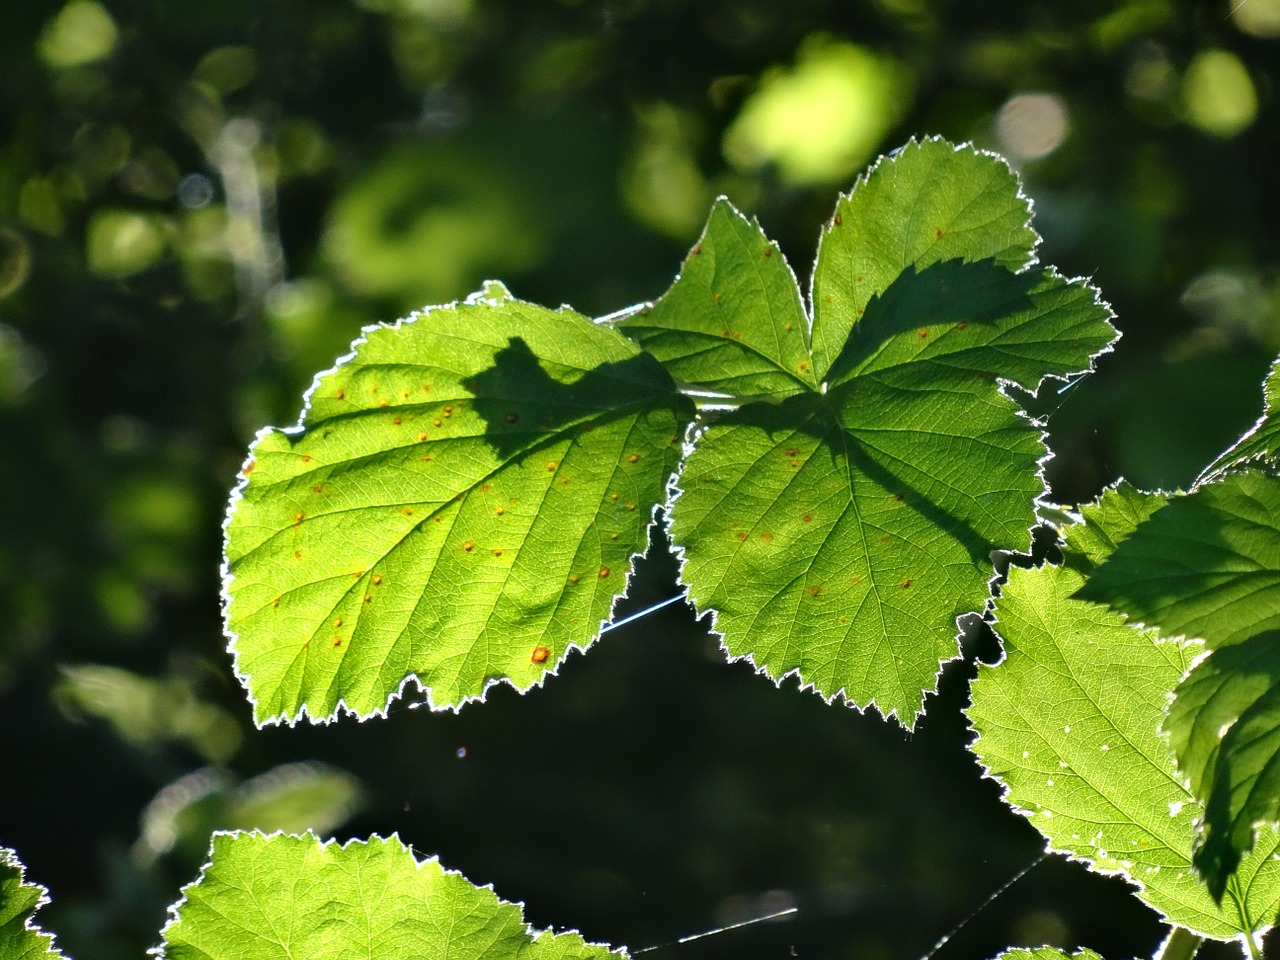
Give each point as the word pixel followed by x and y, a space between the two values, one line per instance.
pixel 20 939
pixel 1262 441
pixel 1206 565
pixel 1069 725
pixel 1224 726
pixel 1107 521
pixel 1046 953
pixel 839 532
pixel 460 504
pixel 281 897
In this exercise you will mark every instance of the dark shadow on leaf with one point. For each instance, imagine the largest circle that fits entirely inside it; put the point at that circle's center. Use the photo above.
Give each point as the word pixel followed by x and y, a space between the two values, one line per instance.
pixel 814 415
pixel 525 406
pixel 948 292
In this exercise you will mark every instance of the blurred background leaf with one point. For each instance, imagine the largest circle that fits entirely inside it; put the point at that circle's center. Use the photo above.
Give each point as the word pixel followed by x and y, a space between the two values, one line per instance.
pixel 200 206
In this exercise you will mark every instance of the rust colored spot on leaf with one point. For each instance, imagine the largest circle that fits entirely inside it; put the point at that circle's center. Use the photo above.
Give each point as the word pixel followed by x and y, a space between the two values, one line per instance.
pixel 574 579
pixel 604 572
pixel 795 464
pixel 298 518
pixel 814 590
pixel 898 497
pixel 564 481
pixel 837 220
pixel 340 395
pixel 697 250
pixel 737 334
pixel 961 325
pixel 337 622
pixel 802 366
pixel 613 536
pixel 368 598
pixel 715 297
pixel 613 496
pixel 306 458
pixel 384 403
pixel 377 579
pixel 422 436
pixel 807 518
pixel 787 328
pixel 373 389
pixel 552 465
pixel 500 511
pixel 768 251
pixel 337 641
pixel 484 488
pixel 426 459
pixel 829 299
pixel 633 458
pixel 793 451
pixel 408 511
pixel 905 583
pixel 437 422
pixel 275 603
pixel 497 551
pixel 923 333
pixel 844 619
pixel 540 655
pixel 938 232
pixel 248 467
pixel 426 388
pixel 767 537
pixel 318 488
pixel 397 421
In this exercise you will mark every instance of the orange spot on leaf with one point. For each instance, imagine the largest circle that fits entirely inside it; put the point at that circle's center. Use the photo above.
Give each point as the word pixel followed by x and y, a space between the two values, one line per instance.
pixel 377 579
pixel 397 421
pixel 469 546
pixel 540 655
pixel 497 551
pixel 633 458
pixel 552 465
pixel 814 590
pixel 340 395
pixel 807 518
pixel 604 572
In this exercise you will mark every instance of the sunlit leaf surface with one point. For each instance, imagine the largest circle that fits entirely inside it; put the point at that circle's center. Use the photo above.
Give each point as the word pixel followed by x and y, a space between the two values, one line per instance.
pixel 20 939
pixel 283 897
pixel 839 531
pixel 461 504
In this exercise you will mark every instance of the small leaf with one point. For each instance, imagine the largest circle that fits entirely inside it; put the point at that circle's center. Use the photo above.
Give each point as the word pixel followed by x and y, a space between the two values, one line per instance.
pixel 1206 565
pixel 1224 726
pixel 839 532
pixel 20 939
pixel 733 321
pixel 282 897
pixel 460 504
pixel 1107 521
pixel 1069 725
pixel 1046 953
pixel 1261 443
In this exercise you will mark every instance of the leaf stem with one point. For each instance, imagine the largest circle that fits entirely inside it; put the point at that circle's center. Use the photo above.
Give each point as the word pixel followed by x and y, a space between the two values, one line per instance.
pixel 1181 944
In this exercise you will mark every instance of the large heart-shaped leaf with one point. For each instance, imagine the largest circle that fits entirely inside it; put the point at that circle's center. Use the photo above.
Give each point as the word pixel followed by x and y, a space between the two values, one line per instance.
pixel 460 504
pixel 838 530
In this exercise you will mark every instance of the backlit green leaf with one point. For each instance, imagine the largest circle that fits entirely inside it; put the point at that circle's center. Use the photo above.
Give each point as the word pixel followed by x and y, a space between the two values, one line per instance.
pixel 1262 441
pixel 840 532
pixel 460 504
pixel 1047 953
pixel 1224 726
pixel 20 939
pixel 1107 521
pixel 283 897
pixel 1206 565
pixel 1069 725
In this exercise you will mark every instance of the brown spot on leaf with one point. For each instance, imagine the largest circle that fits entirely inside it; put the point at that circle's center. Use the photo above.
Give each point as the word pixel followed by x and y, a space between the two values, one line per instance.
pixel 511 417
pixel 807 518
pixel 814 590
pixel 837 220
pixel 275 603
pixel 468 546
pixel 740 535
pixel 377 579
pixel 923 333
pixel 500 511
pixel 961 325
pixel 497 551
pixel 905 583
pixel 248 467
pixel 337 641
pixel 397 421
pixel 633 458
pixel 540 655
pixel 484 488
pixel 767 537
pixel 306 458
pixel 604 572
pixel 340 395
pixel 768 251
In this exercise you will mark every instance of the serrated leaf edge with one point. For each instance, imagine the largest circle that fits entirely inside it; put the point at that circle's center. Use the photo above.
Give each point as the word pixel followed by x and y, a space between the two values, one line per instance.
pixel 394 838
pixel 10 857
pixel 491 293
pixel 963 620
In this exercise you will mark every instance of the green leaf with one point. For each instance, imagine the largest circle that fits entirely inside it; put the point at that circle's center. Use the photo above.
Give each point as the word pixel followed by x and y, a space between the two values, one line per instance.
pixel 1205 565
pixel 839 532
pixel 20 939
pixel 282 897
pixel 1046 953
pixel 1069 725
pixel 733 321
pixel 460 504
pixel 1106 522
pixel 1224 726
pixel 1262 441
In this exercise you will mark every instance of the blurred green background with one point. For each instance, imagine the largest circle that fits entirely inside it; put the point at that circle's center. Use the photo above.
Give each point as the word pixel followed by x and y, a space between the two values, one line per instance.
pixel 200 205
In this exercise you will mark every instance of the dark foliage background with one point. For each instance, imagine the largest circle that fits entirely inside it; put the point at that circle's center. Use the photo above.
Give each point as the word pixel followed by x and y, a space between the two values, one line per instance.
pixel 202 203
